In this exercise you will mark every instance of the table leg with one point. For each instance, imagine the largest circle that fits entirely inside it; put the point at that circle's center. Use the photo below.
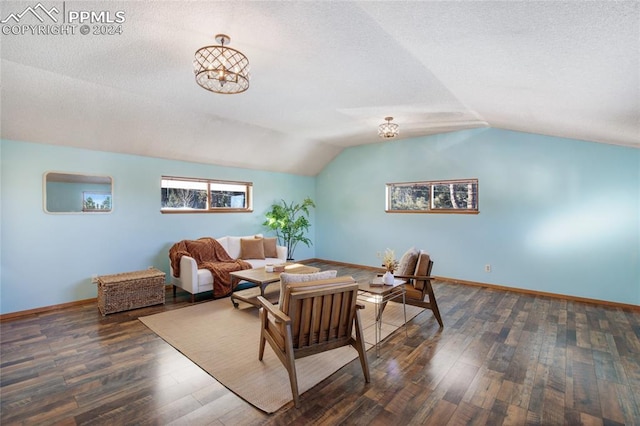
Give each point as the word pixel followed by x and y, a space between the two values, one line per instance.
pixel 404 306
pixel 253 300
pixel 378 331
pixel 235 281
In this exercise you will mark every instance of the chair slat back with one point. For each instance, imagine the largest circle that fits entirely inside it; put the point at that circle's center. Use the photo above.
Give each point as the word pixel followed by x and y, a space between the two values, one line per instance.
pixel 322 318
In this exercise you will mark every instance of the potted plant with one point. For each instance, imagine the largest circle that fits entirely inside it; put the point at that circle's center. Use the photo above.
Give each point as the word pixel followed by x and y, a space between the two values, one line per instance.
pixel 290 222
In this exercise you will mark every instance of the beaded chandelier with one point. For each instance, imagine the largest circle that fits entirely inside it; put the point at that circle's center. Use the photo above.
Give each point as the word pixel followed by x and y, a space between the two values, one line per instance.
pixel 221 69
pixel 388 130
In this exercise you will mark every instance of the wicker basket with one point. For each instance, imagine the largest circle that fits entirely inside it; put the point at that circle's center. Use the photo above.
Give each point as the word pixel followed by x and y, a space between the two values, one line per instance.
pixel 130 290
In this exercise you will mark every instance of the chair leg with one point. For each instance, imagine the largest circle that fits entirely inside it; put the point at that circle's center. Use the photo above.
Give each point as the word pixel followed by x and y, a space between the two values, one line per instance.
pixel 359 345
pixel 263 339
pixel 291 365
pixel 174 291
pixel 434 304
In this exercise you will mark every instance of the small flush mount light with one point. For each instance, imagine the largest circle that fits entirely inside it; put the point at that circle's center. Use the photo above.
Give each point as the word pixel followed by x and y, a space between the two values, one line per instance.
pixel 221 69
pixel 388 130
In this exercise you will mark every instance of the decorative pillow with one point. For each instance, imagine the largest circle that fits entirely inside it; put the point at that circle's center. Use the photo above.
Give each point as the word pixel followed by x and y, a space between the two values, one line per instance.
pixel 251 248
pixel 287 278
pixel 407 264
pixel 270 247
pixel 422 268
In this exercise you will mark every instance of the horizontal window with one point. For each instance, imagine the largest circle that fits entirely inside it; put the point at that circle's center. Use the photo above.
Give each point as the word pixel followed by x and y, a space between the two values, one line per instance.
pixel 445 196
pixel 190 195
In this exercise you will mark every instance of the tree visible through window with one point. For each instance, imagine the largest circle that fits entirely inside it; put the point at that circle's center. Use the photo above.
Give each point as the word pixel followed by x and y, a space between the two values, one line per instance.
pixel 450 196
pixel 96 201
pixel 180 195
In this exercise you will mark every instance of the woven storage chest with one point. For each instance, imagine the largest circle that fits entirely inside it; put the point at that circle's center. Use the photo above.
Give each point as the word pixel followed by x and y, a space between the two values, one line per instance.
pixel 130 290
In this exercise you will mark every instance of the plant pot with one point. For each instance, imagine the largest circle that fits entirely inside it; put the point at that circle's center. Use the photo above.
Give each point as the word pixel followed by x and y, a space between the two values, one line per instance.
pixel 387 278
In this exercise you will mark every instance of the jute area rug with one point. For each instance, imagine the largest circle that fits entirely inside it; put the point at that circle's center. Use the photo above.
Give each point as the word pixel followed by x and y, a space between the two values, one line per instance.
pixel 224 341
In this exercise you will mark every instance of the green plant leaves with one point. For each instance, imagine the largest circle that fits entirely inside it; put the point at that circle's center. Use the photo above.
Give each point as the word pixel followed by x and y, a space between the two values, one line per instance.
pixel 290 222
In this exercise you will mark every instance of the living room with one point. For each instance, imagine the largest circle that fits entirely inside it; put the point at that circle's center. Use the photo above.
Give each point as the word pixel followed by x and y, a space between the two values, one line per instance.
pixel 558 165
pixel 547 180
pixel 565 248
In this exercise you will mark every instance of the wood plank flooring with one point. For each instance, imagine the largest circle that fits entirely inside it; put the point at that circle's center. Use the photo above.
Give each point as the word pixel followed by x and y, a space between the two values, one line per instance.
pixel 502 358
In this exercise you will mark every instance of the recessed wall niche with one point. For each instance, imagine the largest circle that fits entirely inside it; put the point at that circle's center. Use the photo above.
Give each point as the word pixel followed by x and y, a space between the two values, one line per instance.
pixel 77 193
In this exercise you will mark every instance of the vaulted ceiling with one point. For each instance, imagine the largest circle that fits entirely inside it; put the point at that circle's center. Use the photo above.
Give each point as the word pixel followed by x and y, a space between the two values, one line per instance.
pixel 324 75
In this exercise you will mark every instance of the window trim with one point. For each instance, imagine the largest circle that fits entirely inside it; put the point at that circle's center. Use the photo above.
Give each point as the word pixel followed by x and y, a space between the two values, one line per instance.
pixel 431 185
pixel 248 191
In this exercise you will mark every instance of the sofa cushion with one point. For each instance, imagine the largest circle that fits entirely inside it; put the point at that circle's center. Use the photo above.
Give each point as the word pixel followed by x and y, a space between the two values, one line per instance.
pixel 261 263
pixel 224 242
pixel 233 247
pixel 270 249
pixel 407 264
pixel 287 278
pixel 251 248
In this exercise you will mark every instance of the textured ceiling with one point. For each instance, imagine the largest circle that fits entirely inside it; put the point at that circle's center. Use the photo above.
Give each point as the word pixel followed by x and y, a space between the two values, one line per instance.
pixel 324 75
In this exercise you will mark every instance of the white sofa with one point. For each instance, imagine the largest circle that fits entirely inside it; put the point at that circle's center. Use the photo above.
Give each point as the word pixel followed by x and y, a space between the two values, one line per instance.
pixel 194 280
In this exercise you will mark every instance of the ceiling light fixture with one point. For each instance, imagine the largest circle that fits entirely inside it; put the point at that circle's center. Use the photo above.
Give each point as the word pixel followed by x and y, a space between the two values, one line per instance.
pixel 221 69
pixel 388 130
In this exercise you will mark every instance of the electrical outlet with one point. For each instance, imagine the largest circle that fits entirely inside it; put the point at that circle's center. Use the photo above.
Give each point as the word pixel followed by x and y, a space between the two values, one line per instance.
pixel 94 278
pixel 487 268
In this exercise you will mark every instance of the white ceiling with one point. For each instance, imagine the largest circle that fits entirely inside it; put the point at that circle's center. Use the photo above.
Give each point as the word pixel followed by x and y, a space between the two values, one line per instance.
pixel 324 75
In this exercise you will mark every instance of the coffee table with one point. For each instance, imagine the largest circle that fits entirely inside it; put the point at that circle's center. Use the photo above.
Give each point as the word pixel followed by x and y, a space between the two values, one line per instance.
pixel 376 292
pixel 263 278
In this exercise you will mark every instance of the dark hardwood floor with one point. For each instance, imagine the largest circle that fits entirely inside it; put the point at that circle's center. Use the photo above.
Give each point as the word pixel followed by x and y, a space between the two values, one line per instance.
pixel 502 358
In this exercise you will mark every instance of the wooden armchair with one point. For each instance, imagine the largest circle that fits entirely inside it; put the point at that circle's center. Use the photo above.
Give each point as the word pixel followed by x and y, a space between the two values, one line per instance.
pixel 315 316
pixel 419 291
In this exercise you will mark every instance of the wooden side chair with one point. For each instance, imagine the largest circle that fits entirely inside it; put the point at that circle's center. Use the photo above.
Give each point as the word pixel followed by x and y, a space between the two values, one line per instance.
pixel 419 291
pixel 314 316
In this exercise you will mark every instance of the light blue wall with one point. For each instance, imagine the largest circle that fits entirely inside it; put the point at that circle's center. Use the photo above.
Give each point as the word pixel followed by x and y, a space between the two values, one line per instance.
pixel 556 215
pixel 48 259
